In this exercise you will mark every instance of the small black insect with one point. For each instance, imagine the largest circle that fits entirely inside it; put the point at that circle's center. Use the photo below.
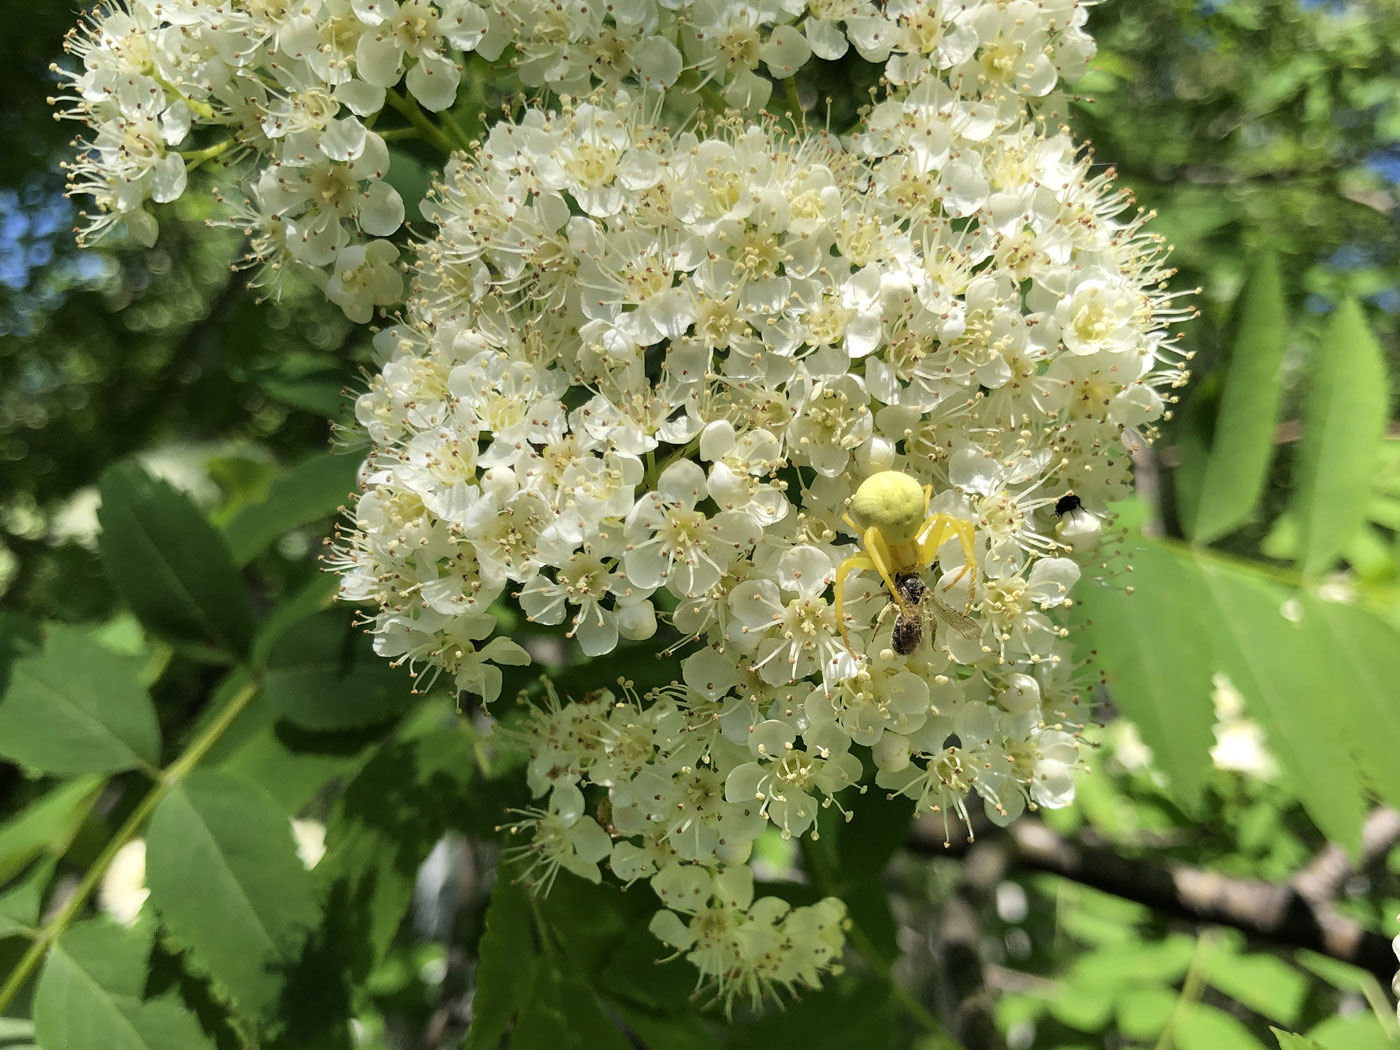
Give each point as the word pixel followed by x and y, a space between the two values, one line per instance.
pixel 909 624
pixel 1068 504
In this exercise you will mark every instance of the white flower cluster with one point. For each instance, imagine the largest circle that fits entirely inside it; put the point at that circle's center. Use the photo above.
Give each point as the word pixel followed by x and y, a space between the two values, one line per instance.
pixel 283 93
pixel 843 413
pixel 642 374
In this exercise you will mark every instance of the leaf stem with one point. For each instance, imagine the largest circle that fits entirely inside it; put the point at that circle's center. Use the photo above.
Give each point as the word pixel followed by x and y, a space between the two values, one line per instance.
pixel 414 114
pixel 169 777
pixel 194 158
pixel 1191 987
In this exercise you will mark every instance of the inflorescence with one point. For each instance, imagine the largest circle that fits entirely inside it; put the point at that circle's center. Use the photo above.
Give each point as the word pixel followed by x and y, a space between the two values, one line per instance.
pixel 648 356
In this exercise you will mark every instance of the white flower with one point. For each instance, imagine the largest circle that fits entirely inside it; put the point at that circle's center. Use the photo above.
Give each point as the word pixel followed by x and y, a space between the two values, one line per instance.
pixel 123 892
pixel 366 276
pixel 418 30
pixel 561 836
pixel 669 541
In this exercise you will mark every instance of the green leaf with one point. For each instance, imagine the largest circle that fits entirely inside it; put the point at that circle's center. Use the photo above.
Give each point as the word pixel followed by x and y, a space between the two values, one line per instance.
pixel 837 1016
pixel 1362 673
pixel 877 829
pixel 1202 1027
pixel 504 953
pixel 605 934
pixel 46 826
pixel 1343 422
pixel 294 764
pixel 17 1033
pixel 1289 1041
pixel 1248 409
pixel 170 564
pixel 1082 1009
pixel 1143 1012
pixel 322 674
pixel 308 492
pixel 542 1024
pixel 589 1027
pixel 1138 962
pixel 1150 643
pixel 21 902
pixel 385 824
pixel 1279 669
pixel 1355 1032
pixel 1265 984
pixel 680 1032
pixel 307 382
pixel 89 996
pixel 77 708
pixel 225 877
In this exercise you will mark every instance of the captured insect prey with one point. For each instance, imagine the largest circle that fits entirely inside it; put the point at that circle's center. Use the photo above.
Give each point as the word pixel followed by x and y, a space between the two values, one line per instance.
pixel 909 624
pixel 1068 504
pixel 914 599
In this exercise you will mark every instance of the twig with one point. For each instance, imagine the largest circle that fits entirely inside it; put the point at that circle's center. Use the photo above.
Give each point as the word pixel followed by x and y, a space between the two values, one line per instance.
pixel 1287 913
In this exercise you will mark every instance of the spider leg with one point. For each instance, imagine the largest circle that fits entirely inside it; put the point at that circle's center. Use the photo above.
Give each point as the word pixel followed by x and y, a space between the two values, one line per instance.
pixel 936 534
pixel 967 541
pixel 854 563
pixel 883 562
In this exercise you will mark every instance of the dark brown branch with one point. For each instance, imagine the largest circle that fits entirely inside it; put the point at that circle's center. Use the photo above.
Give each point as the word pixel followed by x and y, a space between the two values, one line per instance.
pixel 1299 913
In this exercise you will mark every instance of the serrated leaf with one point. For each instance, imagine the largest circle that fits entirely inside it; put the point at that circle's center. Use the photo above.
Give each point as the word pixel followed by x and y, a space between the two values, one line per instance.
pixel 322 393
pixel 542 1024
pixel 20 903
pixel 1143 1012
pixel 322 674
pixel 876 830
pixel 837 1016
pixel 1081 1009
pixel 605 934
pixel 504 956
pixel 589 1027
pixel 1138 962
pixel 682 1032
pixel 1278 667
pixel 1363 671
pixel 46 825
pixel 1289 1041
pixel 170 564
pixel 309 491
pixel 1151 643
pixel 382 828
pixel 1343 422
pixel 88 996
pixel 294 764
pixel 1242 444
pixel 1202 1027
pixel 1265 984
pixel 1354 1032
pixel 76 708
pixel 224 875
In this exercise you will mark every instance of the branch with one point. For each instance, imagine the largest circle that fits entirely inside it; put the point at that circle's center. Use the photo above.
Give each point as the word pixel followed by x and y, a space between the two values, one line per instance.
pixel 1299 913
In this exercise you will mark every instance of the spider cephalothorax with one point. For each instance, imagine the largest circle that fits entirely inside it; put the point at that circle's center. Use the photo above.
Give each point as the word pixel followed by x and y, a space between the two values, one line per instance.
pixel 898 536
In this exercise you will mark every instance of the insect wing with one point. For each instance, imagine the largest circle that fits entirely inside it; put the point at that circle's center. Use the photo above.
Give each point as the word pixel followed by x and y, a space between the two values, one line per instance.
pixel 955 618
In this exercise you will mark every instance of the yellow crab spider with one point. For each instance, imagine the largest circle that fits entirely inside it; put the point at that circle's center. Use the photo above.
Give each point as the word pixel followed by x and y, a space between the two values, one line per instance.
pixel 898 536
